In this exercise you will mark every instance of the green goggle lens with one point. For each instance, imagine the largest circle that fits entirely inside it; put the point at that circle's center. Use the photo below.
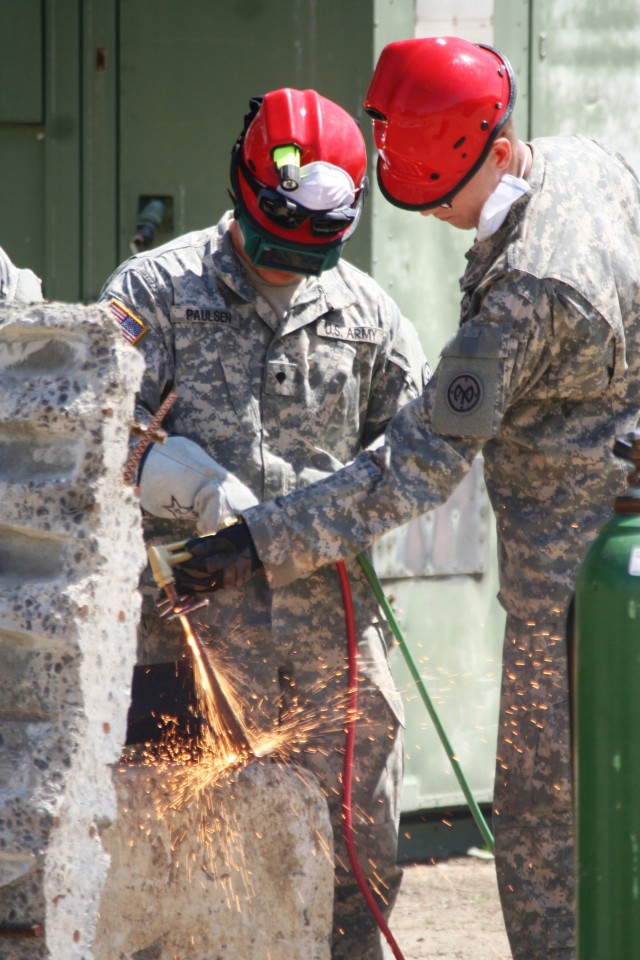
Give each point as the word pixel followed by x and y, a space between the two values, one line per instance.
pixel 276 255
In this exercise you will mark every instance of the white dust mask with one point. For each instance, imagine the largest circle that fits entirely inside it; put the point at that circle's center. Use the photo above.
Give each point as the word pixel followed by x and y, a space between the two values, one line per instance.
pixel 497 205
pixel 323 186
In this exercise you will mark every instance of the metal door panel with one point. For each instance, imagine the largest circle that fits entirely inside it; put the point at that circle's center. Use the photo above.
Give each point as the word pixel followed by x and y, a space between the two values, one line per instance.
pixel 585 70
pixel 185 85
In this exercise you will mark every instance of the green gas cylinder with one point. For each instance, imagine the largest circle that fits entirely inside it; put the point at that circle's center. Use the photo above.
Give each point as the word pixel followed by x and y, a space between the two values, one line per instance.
pixel 607 730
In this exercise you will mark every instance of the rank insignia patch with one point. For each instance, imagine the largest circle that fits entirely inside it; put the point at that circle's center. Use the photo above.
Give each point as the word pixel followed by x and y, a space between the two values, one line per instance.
pixel 133 328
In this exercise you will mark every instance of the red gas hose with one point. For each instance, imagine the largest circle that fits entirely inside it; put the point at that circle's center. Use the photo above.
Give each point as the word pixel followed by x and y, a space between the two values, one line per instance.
pixel 347 769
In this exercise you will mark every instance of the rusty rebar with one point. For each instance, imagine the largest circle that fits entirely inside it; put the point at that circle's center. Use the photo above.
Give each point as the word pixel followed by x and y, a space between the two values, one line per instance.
pixel 151 433
pixel 21 930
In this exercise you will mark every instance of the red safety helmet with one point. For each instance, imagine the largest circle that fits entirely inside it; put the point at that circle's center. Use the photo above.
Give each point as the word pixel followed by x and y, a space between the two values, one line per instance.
pixel 287 130
pixel 437 105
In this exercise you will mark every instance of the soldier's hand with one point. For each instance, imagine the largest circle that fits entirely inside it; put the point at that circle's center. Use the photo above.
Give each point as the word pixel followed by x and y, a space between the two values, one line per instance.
pixel 218 562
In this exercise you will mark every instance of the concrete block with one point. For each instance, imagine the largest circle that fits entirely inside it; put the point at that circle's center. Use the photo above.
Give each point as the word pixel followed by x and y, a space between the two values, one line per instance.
pixel 245 872
pixel 71 552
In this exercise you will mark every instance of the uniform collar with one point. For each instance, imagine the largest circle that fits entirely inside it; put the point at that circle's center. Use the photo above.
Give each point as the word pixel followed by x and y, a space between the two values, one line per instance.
pixel 483 253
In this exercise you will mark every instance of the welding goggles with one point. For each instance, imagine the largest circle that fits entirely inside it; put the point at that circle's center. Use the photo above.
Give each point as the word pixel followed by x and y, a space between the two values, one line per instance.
pixel 286 213
pixel 276 254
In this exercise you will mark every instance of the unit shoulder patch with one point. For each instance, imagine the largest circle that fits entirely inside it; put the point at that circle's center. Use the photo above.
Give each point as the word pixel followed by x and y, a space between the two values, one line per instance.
pixel 133 328
pixel 466 397
pixel 464 393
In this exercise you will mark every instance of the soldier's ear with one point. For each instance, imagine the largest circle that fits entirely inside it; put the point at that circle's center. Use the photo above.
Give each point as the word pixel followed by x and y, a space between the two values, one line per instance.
pixel 502 152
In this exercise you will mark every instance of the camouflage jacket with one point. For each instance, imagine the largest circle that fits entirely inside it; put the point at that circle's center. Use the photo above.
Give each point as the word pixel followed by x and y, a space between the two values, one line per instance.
pixel 542 374
pixel 278 405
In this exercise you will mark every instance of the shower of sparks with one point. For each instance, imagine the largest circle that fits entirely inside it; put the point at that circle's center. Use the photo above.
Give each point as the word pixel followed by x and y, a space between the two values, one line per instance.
pixel 233 746
pixel 198 774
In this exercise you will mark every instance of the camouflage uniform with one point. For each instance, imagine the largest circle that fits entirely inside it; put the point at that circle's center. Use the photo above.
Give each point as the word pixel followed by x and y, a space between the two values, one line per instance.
pixel 281 405
pixel 541 376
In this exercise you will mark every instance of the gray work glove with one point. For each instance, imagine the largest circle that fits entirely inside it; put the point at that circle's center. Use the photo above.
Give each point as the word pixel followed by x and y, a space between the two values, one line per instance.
pixel 180 481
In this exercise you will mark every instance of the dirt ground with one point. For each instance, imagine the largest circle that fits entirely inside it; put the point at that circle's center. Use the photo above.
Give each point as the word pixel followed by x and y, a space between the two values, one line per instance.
pixel 450 910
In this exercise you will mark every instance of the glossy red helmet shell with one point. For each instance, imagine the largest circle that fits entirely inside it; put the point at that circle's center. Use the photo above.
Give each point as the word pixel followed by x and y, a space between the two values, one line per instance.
pixel 437 105
pixel 321 130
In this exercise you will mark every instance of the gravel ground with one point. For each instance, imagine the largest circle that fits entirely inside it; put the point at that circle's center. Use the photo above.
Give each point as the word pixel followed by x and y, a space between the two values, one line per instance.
pixel 450 910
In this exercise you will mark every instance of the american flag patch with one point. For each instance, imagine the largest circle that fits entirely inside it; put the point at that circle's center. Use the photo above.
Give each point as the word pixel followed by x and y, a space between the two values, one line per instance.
pixel 133 329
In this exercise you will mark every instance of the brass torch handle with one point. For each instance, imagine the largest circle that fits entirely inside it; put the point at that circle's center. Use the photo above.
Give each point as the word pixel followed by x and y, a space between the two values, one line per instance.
pixel 163 557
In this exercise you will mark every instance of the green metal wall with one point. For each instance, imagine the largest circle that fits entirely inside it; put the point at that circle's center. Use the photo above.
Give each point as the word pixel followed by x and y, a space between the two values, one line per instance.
pixel 103 102
pixel 585 70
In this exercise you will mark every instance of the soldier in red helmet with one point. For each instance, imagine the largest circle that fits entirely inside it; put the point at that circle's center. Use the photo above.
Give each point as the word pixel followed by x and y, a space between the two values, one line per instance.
pixel 299 177
pixel 286 361
pixel 437 107
pixel 542 375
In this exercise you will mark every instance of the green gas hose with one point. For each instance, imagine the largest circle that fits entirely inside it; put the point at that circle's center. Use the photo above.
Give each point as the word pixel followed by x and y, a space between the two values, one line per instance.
pixel 480 821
